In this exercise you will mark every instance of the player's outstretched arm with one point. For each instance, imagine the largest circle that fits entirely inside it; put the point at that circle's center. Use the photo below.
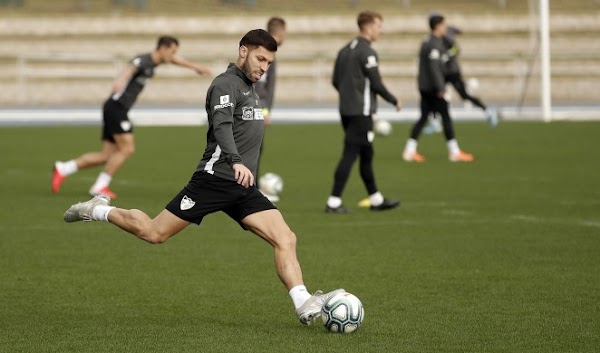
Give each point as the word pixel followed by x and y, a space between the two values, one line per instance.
pixel 200 69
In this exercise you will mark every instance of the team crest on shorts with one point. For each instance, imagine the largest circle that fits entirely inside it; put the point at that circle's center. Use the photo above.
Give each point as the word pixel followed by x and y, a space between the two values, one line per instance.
pixel 186 203
pixel 125 125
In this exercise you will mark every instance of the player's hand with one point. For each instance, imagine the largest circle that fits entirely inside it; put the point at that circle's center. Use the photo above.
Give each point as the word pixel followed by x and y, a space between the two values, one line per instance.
pixel 267 119
pixel 243 175
pixel 203 70
pixel 398 106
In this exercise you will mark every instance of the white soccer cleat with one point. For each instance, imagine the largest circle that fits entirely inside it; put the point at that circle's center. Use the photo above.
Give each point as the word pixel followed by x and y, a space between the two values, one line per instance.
pixel 311 309
pixel 82 211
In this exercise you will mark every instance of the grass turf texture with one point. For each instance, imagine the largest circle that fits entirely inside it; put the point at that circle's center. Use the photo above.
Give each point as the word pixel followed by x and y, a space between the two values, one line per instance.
pixel 501 255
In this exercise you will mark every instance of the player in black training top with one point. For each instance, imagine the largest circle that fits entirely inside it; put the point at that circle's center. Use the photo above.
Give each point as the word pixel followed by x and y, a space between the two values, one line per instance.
pixel 454 77
pixel 433 59
pixel 265 87
pixel 224 178
pixel 117 132
pixel 357 80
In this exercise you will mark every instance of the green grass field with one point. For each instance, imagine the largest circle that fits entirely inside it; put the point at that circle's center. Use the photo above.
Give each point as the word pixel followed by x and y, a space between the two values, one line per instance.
pixel 502 255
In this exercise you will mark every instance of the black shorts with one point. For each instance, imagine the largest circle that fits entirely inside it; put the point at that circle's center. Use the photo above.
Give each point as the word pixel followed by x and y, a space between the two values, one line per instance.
pixel 115 120
pixel 206 194
pixel 358 129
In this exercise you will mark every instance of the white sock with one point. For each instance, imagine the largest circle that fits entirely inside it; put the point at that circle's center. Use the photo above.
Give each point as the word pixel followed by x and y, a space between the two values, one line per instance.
pixel 299 295
pixel 334 201
pixel 100 213
pixel 66 168
pixel 102 182
pixel 453 147
pixel 376 199
pixel 411 146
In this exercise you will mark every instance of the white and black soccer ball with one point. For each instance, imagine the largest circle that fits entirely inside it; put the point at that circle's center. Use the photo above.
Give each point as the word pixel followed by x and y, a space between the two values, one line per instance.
pixel 382 127
pixel 344 313
pixel 271 184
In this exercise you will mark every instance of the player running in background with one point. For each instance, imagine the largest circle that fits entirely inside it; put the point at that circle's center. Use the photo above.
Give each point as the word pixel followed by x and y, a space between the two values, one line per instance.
pixel 454 76
pixel 224 178
pixel 433 59
pixel 358 82
pixel 117 134
pixel 265 87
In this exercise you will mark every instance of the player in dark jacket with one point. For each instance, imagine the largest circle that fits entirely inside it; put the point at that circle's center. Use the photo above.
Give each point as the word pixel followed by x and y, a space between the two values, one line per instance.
pixel 454 74
pixel 356 78
pixel 117 134
pixel 433 59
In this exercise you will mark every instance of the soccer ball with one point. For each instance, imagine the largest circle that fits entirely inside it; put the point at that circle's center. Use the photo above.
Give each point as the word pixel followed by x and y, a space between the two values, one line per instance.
pixel 382 127
pixel 271 184
pixel 344 313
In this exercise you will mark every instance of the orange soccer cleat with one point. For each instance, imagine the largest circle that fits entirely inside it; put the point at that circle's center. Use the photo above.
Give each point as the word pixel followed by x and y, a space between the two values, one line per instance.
pixel 461 156
pixel 104 191
pixel 57 180
pixel 413 157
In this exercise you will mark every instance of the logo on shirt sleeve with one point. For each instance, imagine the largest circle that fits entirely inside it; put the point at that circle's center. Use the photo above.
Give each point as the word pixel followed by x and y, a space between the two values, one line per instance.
pixel 136 62
pixel 223 102
pixel 434 54
pixel 371 62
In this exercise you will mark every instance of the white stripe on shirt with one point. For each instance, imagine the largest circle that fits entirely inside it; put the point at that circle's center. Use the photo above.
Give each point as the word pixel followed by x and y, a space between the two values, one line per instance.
pixel 367 97
pixel 211 162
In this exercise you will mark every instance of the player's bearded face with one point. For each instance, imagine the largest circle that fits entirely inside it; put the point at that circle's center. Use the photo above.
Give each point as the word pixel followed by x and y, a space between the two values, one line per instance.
pixel 257 62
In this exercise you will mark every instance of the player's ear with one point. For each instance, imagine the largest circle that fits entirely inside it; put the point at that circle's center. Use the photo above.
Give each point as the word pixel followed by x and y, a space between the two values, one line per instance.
pixel 243 51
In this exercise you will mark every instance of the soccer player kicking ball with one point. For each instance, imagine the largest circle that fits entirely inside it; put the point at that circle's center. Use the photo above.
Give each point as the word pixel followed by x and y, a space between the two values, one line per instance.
pixel 224 178
pixel 117 135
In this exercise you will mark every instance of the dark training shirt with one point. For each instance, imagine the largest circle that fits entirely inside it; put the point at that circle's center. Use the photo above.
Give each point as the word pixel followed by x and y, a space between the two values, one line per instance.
pixel 235 125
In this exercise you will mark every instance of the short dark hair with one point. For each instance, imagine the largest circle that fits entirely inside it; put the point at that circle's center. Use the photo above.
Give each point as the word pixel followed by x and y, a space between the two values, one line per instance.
pixel 259 38
pixel 367 17
pixel 166 41
pixel 434 20
pixel 275 24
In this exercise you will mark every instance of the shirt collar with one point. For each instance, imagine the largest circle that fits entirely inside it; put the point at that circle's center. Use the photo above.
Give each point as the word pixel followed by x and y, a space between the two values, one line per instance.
pixel 233 69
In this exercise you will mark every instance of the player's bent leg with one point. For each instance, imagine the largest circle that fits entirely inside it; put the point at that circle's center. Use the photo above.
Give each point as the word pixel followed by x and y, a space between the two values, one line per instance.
pixel 125 148
pixel 155 231
pixel 93 159
pixel 270 226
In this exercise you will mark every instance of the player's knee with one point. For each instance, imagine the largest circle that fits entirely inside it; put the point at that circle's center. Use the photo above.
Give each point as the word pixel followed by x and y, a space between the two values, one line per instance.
pixel 153 236
pixel 128 151
pixel 287 240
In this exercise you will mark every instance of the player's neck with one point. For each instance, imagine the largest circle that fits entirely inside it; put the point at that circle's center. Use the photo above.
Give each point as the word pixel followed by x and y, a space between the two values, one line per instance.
pixel 156 57
pixel 366 37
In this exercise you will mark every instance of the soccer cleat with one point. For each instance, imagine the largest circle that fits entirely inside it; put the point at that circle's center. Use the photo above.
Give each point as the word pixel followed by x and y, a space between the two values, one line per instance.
pixel 413 157
pixel 461 156
pixel 57 180
pixel 104 191
pixel 432 127
pixel 339 210
pixel 386 205
pixel 492 117
pixel 311 309
pixel 82 211
pixel 364 203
